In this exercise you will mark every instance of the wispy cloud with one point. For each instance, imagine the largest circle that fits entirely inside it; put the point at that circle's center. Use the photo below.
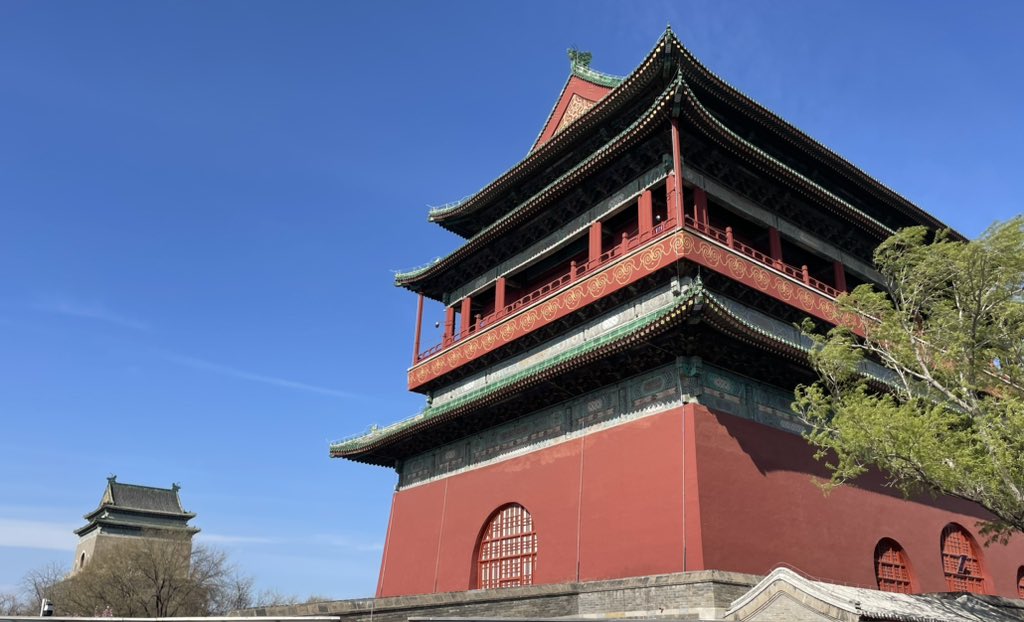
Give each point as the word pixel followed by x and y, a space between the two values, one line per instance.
pixel 31 534
pixel 90 311
pixel 218 538
pixel 232 372
pixel 319 540
pixel 347 542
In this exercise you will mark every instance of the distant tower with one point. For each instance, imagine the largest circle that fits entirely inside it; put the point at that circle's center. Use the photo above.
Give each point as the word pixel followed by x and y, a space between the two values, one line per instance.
pixel 129 513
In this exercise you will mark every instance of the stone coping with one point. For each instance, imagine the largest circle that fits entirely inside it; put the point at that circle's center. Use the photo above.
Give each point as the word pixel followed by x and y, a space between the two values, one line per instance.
pixel 416 601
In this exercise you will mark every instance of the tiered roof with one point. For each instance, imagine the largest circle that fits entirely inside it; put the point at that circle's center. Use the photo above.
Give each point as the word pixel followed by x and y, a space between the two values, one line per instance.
pixel 134 506
pixel 669 82
pixel 694 91
pixel 383 446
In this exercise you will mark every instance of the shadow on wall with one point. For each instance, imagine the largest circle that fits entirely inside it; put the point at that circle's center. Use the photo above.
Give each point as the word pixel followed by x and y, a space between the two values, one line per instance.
pixel 772 450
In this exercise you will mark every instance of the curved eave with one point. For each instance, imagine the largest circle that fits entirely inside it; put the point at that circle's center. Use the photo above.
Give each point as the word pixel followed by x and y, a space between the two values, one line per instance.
pixel 130 510
pixel 81 531
pixel 722 135
pixel 553 148
pixel 363 449
pixel 695 70
pixel 638 129
pixel 373 448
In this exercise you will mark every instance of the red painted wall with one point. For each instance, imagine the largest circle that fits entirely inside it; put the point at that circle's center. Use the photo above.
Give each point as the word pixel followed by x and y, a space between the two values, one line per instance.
pixel 760 509
pixel 630 523
pixel 610 504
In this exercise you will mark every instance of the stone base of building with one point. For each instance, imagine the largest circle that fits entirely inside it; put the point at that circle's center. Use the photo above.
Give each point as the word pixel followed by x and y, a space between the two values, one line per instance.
pixel 703 594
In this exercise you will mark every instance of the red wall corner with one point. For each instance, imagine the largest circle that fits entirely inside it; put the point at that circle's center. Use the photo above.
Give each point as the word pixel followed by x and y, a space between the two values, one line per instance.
pixel 761 508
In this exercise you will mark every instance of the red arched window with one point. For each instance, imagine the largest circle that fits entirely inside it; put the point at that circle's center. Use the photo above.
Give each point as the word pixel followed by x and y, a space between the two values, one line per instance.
pixel 891 568
pixel 1020 582
pixel 508 549
pixel 960 561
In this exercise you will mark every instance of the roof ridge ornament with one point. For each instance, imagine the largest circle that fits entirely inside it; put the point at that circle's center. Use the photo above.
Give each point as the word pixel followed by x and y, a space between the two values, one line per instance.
pixel 579 58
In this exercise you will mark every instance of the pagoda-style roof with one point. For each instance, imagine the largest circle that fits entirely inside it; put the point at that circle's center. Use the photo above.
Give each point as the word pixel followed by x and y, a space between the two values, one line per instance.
pixel 417 280
pixel 693 92
pixel 670 48
pixel 545 153
pixel 386 446
pixel 138 506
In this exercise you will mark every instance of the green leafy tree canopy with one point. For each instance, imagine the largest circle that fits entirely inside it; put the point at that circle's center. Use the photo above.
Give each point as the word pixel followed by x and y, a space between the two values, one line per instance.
pixel 950 329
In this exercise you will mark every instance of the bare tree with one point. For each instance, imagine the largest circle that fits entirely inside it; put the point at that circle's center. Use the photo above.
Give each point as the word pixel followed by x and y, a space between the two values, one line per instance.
pixel 158 576
pixel 12 604
pixel 40 583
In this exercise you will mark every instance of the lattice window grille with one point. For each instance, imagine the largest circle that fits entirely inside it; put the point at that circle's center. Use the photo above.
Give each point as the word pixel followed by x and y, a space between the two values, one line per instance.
pixel 891 567
pixel 960 562
pixel 508 549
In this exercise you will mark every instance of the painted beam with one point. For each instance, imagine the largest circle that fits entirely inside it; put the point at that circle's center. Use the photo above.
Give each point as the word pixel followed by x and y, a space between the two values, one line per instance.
pixel 645 260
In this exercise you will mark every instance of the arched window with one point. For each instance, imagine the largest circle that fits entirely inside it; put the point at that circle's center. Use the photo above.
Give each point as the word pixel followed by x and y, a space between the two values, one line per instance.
pixel 1020 582
pixel 891 569
pixel 508 549
pixel 81 561
pixel 960 561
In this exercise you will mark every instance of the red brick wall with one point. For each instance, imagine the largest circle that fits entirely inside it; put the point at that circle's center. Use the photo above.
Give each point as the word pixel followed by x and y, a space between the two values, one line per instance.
pixel 630 524
pixel 760 508
pixel 610 505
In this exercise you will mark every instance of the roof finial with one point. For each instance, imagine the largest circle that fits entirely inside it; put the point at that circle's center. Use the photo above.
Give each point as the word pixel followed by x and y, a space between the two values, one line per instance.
pixel 175 486
pixel 579 58
pixel 111 479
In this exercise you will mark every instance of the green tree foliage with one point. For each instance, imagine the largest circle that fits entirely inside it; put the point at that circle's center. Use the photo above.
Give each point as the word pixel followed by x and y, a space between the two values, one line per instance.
pixel 950 329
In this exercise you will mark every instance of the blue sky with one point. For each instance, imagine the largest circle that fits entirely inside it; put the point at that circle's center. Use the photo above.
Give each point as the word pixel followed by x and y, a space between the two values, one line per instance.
pixel 202 204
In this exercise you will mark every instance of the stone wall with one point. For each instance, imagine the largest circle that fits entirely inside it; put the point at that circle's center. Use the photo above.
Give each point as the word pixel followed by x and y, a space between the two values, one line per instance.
pixel 698 594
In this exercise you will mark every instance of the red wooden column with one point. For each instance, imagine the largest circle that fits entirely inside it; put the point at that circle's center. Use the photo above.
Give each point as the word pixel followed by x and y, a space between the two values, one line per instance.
pixel 675 185
pixel 467 317
pixel 419 330
pixel 700 208
pixel 499 295
pixel 839 270
pixel 775 246
pixel 449 325
pixel 595 244
pixel 645 212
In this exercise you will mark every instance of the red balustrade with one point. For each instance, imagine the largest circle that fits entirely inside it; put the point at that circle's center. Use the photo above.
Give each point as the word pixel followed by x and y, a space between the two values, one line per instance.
pixel 630 241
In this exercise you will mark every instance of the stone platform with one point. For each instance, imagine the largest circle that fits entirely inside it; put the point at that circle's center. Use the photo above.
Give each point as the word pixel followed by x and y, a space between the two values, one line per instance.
pixel 703 594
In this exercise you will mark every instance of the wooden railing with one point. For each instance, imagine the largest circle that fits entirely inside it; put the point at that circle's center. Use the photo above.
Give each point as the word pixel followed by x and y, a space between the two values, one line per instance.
pixel 725 237
pixel 629 241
